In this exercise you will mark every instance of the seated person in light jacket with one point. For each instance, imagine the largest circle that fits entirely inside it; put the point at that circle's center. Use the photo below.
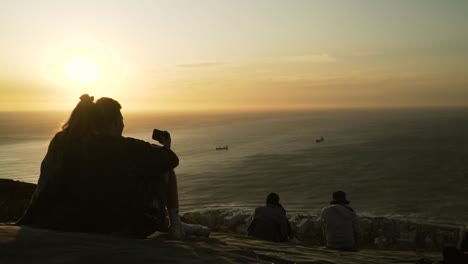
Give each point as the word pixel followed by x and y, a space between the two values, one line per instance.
pixel 340 225
pixel 270 221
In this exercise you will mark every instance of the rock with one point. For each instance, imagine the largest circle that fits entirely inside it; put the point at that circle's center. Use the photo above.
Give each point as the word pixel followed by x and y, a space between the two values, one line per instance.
pixel 31 245
pixel 381 241
pixel 14 199
pixel 235 219
pixel 407 238
pixel 377 232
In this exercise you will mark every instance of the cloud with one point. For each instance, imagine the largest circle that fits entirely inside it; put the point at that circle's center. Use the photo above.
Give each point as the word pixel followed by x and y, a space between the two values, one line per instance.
pixel 200 64
pixel 313 58
pixel 305 58
pixel 309 58
pixel 364 53
pixel 354 79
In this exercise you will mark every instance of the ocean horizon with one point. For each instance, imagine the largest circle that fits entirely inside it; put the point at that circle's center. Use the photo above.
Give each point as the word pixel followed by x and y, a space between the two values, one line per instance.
pixel 404 163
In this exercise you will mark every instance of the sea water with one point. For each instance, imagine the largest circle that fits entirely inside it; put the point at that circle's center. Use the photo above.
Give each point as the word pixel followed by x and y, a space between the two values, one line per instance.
pixel 410 163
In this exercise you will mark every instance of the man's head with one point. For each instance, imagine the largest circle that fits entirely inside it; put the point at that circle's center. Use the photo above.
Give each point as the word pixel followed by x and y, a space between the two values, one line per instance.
pixel 109 120
pixel 273 198
pixel 339 197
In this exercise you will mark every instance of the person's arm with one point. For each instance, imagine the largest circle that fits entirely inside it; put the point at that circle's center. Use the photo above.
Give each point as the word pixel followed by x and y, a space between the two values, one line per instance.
pixel 284 227
pixel 321 219
pixel 48 173
pixel 287 232
pixel 251 227
pixel 172 190
pixel 290 232
pixel 175 229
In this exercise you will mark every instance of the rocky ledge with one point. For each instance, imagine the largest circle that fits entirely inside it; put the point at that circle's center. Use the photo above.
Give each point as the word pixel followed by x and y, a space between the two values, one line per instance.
pixel 377 232
pixel 20 245
pixel 14 199
pixel 384 240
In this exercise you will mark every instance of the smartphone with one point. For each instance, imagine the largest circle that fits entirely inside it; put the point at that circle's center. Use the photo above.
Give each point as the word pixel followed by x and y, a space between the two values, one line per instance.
pixel 158 134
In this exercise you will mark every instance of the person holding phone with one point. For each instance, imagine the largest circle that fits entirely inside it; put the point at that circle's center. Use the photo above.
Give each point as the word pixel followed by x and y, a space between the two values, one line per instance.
pixel 95 180
pixel 154 167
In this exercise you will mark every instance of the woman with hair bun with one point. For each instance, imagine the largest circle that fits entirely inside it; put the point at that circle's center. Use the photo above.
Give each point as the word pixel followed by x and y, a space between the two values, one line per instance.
pixel 44 207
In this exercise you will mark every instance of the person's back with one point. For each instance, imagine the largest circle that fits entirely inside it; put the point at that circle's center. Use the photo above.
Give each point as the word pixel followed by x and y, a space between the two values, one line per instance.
pixel 51 191
pixel 452 255
pixel 270 221
pixel 340 224
pixel 105 179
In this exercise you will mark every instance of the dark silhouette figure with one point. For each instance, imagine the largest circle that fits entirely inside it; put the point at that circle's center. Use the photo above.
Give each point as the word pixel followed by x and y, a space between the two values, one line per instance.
pixel 270 221
pixel 93 179
pixel 452 256
pixel 464 247
pixel 340 225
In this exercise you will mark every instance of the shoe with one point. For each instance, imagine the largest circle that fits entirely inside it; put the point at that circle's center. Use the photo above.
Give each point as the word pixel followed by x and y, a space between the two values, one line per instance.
pixel 196 230
pixel 176 232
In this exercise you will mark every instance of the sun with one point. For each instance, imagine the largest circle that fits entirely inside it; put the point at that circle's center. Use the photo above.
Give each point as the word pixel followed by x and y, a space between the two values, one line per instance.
pixel 84 66
pixel 82 70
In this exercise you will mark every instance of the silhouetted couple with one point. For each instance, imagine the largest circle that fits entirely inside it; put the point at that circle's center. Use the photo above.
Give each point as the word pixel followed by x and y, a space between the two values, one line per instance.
pixel 93 179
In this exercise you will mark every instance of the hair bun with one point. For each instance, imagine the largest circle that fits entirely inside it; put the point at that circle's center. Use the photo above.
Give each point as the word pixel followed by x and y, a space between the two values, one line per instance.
pixel 86 98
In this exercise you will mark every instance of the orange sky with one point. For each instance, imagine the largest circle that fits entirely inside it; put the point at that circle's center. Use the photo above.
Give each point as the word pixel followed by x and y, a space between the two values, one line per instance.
pixel 233 55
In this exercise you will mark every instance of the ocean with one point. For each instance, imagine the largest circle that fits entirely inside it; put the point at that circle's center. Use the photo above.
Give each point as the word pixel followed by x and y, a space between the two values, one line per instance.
pixel 405 163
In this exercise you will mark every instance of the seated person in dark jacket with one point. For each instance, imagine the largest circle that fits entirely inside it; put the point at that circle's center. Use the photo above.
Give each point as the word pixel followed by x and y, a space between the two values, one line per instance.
pixel 270 221
pixel 453 255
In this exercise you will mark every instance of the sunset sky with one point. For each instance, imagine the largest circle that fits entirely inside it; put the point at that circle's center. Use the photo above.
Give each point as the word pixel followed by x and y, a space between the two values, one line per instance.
pixel 233 55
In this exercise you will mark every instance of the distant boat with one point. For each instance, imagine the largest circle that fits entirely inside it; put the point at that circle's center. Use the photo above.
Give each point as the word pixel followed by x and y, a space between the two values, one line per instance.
pixel 320 140
pixel 222 147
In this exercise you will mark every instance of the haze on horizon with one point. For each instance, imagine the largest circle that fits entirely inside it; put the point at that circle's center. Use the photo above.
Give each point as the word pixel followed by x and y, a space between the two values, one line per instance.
pixel 215 55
